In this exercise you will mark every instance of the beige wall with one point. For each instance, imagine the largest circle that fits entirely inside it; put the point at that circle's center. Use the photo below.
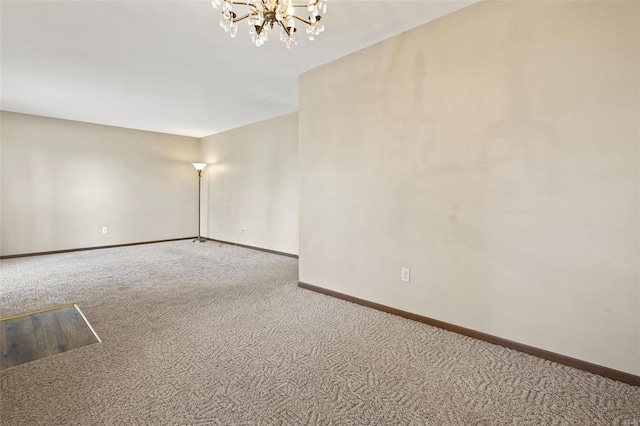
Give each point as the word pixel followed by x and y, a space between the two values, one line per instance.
pixel 252 182
pixel 495 153
pixel 62 181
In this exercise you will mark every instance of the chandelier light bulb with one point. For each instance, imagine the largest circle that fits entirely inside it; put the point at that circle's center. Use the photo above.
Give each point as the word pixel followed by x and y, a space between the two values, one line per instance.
pixel 263 15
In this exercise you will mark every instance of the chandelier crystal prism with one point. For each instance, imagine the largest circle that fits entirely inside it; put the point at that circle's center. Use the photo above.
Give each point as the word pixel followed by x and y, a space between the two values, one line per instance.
pixel 264 15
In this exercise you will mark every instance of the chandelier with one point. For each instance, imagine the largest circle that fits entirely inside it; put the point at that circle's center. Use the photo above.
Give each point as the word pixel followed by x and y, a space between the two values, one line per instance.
pixel 263 15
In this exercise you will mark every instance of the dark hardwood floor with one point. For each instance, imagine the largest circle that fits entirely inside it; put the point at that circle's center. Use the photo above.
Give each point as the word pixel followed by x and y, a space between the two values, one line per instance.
pixel 34 336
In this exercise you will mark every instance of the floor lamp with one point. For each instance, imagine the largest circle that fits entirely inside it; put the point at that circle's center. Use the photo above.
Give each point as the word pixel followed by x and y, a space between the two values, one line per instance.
pixel 199 167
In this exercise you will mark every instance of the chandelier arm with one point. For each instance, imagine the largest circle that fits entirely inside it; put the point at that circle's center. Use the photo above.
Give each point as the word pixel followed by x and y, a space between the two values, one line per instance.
pixel 284 28
pixel 304 5
pixel 242 17
pixel 243 3
pixel 301 19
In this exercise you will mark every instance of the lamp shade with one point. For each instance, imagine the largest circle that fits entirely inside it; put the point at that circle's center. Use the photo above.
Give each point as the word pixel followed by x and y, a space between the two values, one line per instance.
pixel 199 166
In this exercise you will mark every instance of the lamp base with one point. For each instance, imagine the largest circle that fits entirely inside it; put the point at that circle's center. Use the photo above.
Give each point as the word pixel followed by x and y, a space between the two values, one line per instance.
pixel 200 240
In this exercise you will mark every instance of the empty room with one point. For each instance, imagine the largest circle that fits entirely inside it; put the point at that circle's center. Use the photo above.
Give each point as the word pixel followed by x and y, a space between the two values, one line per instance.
pixel 311 212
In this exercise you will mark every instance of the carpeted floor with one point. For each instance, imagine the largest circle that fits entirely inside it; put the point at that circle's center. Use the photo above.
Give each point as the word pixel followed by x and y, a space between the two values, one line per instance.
pixel 215 334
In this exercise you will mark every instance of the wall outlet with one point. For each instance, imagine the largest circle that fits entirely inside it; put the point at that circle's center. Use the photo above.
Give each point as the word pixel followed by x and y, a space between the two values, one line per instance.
pixel 104 229
pixel 406 275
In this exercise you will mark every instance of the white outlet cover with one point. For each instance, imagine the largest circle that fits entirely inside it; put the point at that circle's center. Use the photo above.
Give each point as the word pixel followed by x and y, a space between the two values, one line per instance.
pixel 406 275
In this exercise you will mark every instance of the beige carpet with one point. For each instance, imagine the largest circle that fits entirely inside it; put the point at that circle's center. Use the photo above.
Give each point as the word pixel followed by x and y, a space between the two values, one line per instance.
pixel 212 334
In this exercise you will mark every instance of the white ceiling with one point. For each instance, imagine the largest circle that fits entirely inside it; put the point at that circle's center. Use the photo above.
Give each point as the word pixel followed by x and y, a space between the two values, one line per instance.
pixel 167 66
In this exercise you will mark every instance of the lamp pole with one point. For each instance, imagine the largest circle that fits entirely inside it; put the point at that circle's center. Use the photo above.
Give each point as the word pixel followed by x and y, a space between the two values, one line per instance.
pixel 199 167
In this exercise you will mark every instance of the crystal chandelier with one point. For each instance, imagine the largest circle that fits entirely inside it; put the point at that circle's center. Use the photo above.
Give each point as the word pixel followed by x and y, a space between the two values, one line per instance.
pixel 262 15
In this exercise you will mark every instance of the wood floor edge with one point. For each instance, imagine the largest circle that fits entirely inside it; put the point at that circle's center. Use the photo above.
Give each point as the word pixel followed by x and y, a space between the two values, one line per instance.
pixel 39 311
pixel 43 253
pixel 281 253
pixel 620 376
